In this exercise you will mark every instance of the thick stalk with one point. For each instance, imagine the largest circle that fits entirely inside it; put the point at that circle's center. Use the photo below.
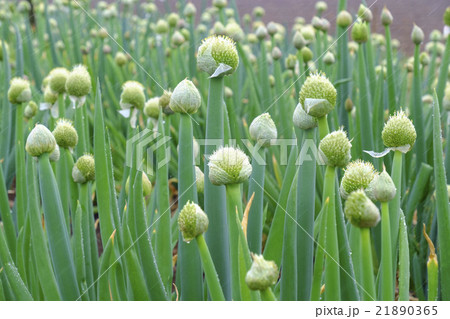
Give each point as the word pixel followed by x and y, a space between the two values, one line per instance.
pixel 20 168
pixel 394 205
pixel 323 127
pixel 215 207
pixel 81 147
pixel 255 216
pixel 214 288
pixel 368 283
pixel 390 72
pixel 234 206
pixel 387 286
pixel 443 71
pixel 62 173
pixel 267 295
pixel 189 261
pixel 332 278
pixel 417 111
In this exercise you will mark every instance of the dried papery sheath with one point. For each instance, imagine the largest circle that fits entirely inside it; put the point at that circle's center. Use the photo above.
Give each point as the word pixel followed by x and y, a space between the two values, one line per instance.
pixel 361 211
pixel 262 274
pixel 185 98
pixel 216 51
pixel 192 221
pixel 54 156
pixel 303 120
pixel 19 91
pixel 146 185
pixel 40 141
pixel 200 179
pixel 263 130
pixel 381 188
pixel 357 175
pixel 84 169
pixel 229 165
pixel 317 95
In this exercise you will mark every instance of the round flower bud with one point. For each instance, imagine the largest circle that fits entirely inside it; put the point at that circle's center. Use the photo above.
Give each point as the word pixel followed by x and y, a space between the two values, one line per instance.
pixel 435 35
pixel 58 78
pixel 308 33
pixel 84 169
pixel 272 28
pixel 185 98
pixel 23 7
pixel 328 59
pixel 120 58
pixel 229 165
pixel 447 16
pixel 151 108
pixel 290 62
pixel 344 19
pixel 335 149
pixel 146 185
pixel 317 23
pixel 361 211
pixel 357 175
pixel 427 99
pixel 317 95
pixel 216 50
pixel 348 105
pixel 19 91
pixel 102 33
pixel 40 141
pixel 161 27
pixel 364 13
pixel 360 33
pixel 381 188
pixel 177 39
pixel 417 35
pixel 192 221
pixel 303 120
pixel 78 82
pixel 132 95
pixel 220 4
pixel 446 100
pixel 399 131
pixel 276 53
pixel 229 12
pixel 30 110
pixel 227 92
pixel 259 12
pixel 172 19
pixel 386 17
pixel 261 32
pixel 299 41
pixel 189 10
pixel 307 54
pixel 262 274
pixel 271 80
pixel 199 179
pixel 424 58
pixel 54 156
pixel 65 134
pixel 321 6
pixel 263 130
pixel 234 31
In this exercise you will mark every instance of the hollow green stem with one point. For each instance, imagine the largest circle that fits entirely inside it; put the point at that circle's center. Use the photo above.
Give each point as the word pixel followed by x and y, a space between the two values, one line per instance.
pixel 323 127
pixel 368 282
pixel 387 286
pixel 20 168
pixel 417 111
pixel 403 261
pixel 214 288
pixel 390 72
pixel 61 106
pixel 267 295
pixel 394 205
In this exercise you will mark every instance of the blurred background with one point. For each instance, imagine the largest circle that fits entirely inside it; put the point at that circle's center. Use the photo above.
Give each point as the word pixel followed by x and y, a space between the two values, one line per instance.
pixel 425 13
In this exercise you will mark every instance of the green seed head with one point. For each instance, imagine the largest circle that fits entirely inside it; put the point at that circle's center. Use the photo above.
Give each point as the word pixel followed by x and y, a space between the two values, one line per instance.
pixel 19 91
pixel 200 179
pixel 303 120
pixel 344 19
pixel 262 274
pixel 65 134
pixel 132 95
pixel 361 211
pixel 78 82
pixel 307 54
pixel 84 169
pixel 121 59
pixel 417 35
pixel 365 14
pixel 216 50
pixel 399 131
pixel 381 188
pixel 146 185
pixel 40 141
pixel 358 175
pixel 185 98
pixel 30 110
pixel 447 16
pixel 58 78
pixel 335 149
pixel 360 32
pixel 151 108
pixel 320 95
pixel 192 221
pixel 229 165
pixel 263 130
pixel 386 17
